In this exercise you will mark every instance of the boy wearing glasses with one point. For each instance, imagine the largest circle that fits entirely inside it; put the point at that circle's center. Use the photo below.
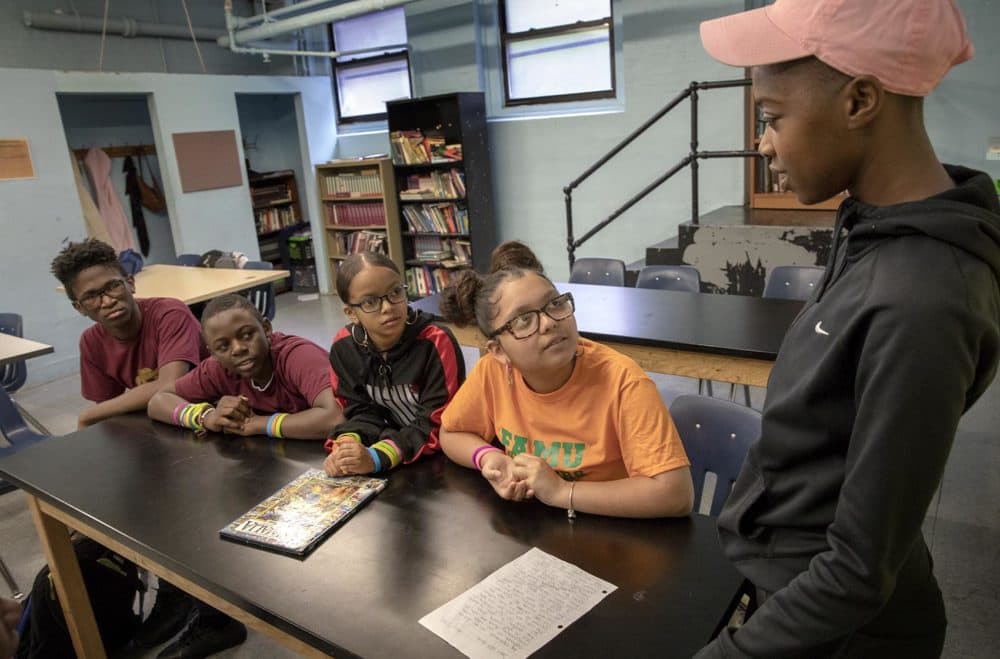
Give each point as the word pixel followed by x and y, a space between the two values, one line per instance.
pixel 394 371
pixel 135 346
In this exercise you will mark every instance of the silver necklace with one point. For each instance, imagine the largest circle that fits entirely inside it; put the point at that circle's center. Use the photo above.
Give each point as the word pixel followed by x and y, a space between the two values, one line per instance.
pixel 266 384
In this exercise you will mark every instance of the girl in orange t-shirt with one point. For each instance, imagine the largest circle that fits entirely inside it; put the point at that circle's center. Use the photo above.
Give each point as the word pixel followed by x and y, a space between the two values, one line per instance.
pixel 582 426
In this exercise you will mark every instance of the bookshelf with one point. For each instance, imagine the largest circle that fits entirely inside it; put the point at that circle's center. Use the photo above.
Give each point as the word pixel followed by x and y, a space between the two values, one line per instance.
pixel 360 213
pixel 762 190
pixel 277 215
pixel 440 156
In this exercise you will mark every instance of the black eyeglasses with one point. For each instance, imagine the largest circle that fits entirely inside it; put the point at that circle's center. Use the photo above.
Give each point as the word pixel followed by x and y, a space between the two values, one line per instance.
pixel 373 303
pixel 114 289
pixel 526 324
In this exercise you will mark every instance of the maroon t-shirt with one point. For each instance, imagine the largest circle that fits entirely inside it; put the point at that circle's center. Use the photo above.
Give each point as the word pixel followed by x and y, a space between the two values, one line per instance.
pixel 301 373
pixel 169 333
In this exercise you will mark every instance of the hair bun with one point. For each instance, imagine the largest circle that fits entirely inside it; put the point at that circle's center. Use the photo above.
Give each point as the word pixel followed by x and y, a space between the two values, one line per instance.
pixel 458 299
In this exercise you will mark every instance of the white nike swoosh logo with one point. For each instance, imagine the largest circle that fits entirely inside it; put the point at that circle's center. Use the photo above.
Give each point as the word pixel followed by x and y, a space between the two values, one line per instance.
pixel 820 330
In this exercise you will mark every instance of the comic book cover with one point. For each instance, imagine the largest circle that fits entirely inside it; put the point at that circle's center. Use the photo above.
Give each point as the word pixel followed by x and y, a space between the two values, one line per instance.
pixel 297 517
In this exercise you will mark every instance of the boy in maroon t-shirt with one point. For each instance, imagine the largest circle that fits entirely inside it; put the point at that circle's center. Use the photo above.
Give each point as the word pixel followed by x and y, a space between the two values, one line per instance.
pixel 135 346
pixel 257 382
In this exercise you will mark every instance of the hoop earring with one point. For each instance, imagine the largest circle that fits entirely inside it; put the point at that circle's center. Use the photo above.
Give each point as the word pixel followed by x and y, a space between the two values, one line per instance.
pixel 411 315
pixel 363 341
pixel 510 376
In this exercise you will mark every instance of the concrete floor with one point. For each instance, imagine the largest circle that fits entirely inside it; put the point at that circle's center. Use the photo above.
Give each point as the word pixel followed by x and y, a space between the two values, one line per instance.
pixel 962 526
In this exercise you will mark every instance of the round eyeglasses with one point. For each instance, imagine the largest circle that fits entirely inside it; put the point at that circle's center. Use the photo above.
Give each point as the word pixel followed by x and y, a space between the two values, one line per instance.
pixel 372 303
pixel 526 323
pixel 114 289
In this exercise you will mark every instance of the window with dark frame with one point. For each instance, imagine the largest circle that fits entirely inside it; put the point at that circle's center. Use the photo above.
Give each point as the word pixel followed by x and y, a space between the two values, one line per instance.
pixel 555 51
pixel 364 81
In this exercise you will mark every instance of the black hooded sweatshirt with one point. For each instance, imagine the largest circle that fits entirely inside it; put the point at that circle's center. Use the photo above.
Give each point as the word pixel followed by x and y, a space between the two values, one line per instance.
pixel 399 398
pixel 900 338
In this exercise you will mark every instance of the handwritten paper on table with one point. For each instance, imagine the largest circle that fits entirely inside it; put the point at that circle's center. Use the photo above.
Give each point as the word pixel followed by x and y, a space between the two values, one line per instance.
pixel 519 608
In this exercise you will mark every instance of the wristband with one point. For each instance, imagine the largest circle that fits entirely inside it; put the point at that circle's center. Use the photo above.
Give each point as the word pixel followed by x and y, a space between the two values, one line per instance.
pixel 477 455
pixel 277 426
pixel 375 459
pixel 177 412
pixel 570 513
pixel 353 436
pixel 269 429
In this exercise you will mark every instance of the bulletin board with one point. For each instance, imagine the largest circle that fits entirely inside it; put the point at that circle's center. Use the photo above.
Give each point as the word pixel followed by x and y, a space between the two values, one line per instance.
pixel 15 160
pixel 208 160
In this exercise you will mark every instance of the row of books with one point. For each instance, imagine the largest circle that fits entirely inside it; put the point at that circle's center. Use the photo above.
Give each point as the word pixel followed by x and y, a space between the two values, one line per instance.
pixel 356 215
pixel 353 184
pixel 273 219
pixel 450 252
pixel 435 184
pixel 446 217
pixel 359 241
pixel 270 194
pixel 415 147
pixel 422 280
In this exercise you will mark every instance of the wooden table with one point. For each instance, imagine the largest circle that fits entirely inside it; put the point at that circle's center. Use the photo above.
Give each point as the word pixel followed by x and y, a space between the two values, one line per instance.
pixel 158 495
pixel 727 338
pixel 14 348
pixel 190 285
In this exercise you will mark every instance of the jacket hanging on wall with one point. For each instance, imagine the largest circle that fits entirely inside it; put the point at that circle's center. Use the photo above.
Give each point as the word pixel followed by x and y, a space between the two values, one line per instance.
pixel 134 192
pixel 152 195
pixel 99 167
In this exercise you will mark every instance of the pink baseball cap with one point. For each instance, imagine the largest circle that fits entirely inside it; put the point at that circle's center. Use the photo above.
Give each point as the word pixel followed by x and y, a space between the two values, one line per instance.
pixel 909 45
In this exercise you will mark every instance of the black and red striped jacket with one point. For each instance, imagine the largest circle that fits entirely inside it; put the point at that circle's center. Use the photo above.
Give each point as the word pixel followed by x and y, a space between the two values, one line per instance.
pixel 399 398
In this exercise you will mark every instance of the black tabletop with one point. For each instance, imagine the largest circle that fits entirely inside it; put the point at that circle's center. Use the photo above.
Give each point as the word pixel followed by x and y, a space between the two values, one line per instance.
pixel 733 325
pixel 435 531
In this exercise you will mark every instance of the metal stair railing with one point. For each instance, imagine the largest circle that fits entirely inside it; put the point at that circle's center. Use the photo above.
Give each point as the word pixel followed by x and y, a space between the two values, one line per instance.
pixel 691 159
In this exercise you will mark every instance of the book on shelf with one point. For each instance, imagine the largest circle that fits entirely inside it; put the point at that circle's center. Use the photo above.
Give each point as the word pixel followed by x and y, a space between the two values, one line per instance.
pixel 355 214
pixel 451 252
pixel 428 280
pixel 417 147
pixel 271 194
pixel 274 219
pixel 435 184
pixel 297 517
pixel 444 217
pixel 352 184
pixel 360 241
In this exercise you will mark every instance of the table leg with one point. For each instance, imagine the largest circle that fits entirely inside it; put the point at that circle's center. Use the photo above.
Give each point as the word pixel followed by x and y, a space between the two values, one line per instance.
pixel 72 592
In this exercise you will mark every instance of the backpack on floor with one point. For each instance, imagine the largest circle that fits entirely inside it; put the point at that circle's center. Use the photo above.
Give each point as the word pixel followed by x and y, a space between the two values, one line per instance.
pixel 215 258
pixel 112 584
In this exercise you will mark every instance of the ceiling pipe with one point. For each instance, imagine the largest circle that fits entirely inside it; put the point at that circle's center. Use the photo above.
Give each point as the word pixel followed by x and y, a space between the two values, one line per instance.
pixel 267 16
pixel 124 26
pixel 296 23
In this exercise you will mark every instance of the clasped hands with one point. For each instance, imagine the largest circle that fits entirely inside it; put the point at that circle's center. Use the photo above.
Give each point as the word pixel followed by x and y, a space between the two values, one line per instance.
pixel 348 456
pixel 233 415
pixel 522 477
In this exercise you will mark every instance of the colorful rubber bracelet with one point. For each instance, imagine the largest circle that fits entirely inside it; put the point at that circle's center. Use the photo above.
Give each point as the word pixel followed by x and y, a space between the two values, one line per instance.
pixel 349 435
pixel 277 425
pixel 269 429
pixel 177 412
pixel 477 455
pixel 390 449
pixel 375 459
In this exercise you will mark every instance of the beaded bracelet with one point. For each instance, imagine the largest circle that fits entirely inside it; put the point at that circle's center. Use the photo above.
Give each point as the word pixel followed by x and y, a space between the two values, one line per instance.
pixel 477 455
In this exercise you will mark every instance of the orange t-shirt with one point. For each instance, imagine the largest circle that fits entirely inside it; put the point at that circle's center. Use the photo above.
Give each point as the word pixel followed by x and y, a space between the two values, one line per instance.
pixel 606 423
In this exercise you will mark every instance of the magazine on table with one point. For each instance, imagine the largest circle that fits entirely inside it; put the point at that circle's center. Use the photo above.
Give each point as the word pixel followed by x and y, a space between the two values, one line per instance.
pixel 296 518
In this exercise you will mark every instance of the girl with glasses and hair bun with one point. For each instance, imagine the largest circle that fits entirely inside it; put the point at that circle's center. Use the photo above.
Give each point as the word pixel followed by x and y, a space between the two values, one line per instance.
pixel 579 425
pixel 393 372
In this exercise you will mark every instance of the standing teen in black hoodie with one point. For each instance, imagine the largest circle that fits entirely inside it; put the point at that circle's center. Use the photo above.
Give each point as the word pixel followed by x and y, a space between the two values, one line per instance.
pixel 900 338
pixel 394 371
